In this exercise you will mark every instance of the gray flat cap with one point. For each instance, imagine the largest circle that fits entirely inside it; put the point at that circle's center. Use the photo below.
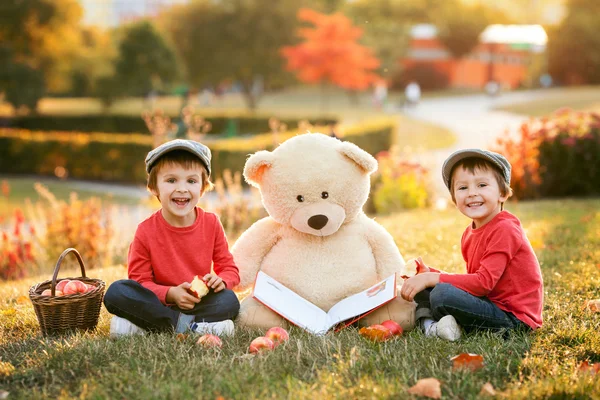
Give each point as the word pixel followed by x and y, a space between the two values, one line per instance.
pixel 496 159
pixel 197 149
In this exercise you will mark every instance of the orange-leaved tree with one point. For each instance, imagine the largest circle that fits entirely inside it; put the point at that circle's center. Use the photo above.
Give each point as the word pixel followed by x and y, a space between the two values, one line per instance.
pixel 330 52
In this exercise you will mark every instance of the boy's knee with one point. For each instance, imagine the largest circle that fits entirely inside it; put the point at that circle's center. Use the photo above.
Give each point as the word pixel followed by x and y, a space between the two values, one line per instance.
pixel 442 295
pixel 229 302
pixel 115 291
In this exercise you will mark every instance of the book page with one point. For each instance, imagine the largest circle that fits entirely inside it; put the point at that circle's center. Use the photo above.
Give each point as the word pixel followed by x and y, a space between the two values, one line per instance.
pixel 362 302
pixel 289 304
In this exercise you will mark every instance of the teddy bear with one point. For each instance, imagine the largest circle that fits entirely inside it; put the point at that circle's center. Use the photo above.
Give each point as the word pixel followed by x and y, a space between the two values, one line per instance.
pixel 316 240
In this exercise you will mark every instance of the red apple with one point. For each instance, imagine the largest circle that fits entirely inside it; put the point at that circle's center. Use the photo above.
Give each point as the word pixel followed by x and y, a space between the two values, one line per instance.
pixel 90 288
pixel 261 344
pixel 393 326
pixel 48 292
pixel 278 335
pixel 61 285
pixel 421 267
pixel 198 288
pixel 75 287
pixel 210 341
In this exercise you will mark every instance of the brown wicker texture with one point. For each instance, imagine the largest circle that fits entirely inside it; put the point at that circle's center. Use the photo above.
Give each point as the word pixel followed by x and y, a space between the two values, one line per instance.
pixel 58 315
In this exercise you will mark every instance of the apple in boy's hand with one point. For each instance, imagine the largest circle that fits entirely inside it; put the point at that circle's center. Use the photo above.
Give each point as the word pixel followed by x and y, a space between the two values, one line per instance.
pixel 210 341
pixel 261 344
pixel 278 335
pixel 421 267
pixel 198 287
pixel 393 326
pixel 61 285
pixel 75 287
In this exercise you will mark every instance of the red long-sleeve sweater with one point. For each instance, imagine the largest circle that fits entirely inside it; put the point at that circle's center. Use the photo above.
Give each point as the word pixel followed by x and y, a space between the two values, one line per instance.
pixel 502 266
pixel 162 256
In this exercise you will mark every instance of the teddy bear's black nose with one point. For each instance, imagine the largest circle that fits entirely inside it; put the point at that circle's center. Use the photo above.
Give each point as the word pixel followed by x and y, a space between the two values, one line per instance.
pixel 317 221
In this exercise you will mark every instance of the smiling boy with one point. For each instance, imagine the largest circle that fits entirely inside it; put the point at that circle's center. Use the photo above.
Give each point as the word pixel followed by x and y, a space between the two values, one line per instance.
pixel 503 286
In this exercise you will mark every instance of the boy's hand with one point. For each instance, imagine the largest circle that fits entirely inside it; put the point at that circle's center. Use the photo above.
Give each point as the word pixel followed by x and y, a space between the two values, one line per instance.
pixel 418 283
pixel 417 265
pixel 214 282
pixel 182 297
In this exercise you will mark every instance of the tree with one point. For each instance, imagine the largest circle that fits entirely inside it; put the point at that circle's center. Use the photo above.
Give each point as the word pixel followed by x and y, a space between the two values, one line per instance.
pixel 574 46
pixel 460 26
pixel 145 61
pixel 330 53
pixel 23 86
pixel 234 40
pixel 44 35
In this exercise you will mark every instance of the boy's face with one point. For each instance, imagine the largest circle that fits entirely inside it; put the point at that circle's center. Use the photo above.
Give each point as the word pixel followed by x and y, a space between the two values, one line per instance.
pixel 477 194
pixel 179 190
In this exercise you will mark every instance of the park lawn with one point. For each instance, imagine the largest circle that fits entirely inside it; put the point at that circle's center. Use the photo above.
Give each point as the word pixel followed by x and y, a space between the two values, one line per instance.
pixel 582 98
pixel 300 102
pixel 565 235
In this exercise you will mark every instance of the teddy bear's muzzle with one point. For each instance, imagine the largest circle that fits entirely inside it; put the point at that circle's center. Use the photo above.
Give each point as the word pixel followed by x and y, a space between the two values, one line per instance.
pixel 319 219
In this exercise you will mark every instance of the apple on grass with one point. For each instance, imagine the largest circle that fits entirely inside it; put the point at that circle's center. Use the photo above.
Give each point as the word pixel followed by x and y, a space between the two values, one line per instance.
pixel 393 326
pixel 198 287
pixel 209 341
pixel 278 335
pixel 261 344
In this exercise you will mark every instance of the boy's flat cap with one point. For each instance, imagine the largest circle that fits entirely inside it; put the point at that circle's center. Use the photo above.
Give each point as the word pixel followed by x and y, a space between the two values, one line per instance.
pixel 197 149
pixel 496 159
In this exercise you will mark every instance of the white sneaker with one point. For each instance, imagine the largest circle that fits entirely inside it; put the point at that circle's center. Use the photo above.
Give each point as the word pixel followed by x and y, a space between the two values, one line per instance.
pixel 446 328
pixel 123 327
pixel 221 328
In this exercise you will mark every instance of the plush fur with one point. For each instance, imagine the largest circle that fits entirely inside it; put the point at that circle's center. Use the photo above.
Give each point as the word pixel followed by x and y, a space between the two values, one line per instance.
pixel 316 240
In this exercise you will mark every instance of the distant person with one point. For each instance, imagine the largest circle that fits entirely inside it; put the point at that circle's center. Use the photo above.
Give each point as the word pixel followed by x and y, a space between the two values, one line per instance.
pixel 170 248
pixel 546 80
pixel 412 92
pixel 492 88
pixel 502 288
pixel 380 94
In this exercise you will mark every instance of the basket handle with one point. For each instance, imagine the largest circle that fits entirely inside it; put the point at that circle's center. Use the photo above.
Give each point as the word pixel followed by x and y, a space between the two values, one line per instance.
pixel 57 267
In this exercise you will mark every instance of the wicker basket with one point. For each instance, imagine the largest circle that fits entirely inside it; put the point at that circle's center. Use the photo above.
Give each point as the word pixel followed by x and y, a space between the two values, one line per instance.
pixel 58 315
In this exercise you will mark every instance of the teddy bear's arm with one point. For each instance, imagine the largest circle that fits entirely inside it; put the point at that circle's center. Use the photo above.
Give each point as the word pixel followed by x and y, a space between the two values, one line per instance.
pixel 388 259
pixel 251 247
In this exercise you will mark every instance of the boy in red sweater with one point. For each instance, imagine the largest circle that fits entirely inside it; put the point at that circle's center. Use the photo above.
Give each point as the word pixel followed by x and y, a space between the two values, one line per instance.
pixel 173 245
pixel 503 286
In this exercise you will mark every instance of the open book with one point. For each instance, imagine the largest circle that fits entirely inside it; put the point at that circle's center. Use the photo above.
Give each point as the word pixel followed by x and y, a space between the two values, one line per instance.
pixel 305 314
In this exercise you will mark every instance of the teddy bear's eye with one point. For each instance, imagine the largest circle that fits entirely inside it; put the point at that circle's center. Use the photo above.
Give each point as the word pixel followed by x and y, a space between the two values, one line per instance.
pixel 300 198
pixel 324 195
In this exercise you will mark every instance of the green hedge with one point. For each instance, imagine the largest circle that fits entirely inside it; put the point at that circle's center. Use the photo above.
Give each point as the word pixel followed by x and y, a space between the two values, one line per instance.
pixel 119 157
pixel 243 123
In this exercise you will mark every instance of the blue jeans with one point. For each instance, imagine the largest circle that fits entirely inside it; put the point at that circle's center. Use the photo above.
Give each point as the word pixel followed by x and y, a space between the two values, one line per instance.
pixel 128 299
pixel 470 312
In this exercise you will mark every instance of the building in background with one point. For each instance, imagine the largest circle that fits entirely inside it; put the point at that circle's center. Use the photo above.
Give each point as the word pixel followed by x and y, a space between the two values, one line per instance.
pixel 111 13
pixel 503 55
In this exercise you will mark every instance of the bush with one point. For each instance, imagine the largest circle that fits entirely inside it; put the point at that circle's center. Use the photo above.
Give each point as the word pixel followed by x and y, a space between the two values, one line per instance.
pixel 221 124
pixel 555 156
pixel 399 184
pixel 17 253
pixel 119 157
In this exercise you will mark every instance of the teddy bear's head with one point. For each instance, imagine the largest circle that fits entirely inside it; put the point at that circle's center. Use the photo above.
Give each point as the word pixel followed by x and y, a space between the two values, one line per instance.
pixel 312 182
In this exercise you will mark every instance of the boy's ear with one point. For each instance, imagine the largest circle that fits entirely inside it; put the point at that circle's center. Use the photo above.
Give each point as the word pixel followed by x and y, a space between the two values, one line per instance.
pixel 256 165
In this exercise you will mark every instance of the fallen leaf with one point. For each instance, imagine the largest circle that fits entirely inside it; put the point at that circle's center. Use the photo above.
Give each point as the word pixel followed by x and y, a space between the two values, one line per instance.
pixel 593 305
pixel 587 367
pixel 487 390
pixel 22 300
pixel 468 361
pixel 181 337
pixel 428 387
pixel 6 368
pixel 376 333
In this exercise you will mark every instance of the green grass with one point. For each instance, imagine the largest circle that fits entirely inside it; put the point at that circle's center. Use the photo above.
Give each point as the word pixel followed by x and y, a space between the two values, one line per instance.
pixel 584 98
pixel 22 188
pixel 565 236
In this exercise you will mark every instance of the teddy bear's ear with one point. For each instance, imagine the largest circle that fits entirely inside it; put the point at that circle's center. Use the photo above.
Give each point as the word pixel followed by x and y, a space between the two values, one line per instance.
pixel 256 165
pixel 364 160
